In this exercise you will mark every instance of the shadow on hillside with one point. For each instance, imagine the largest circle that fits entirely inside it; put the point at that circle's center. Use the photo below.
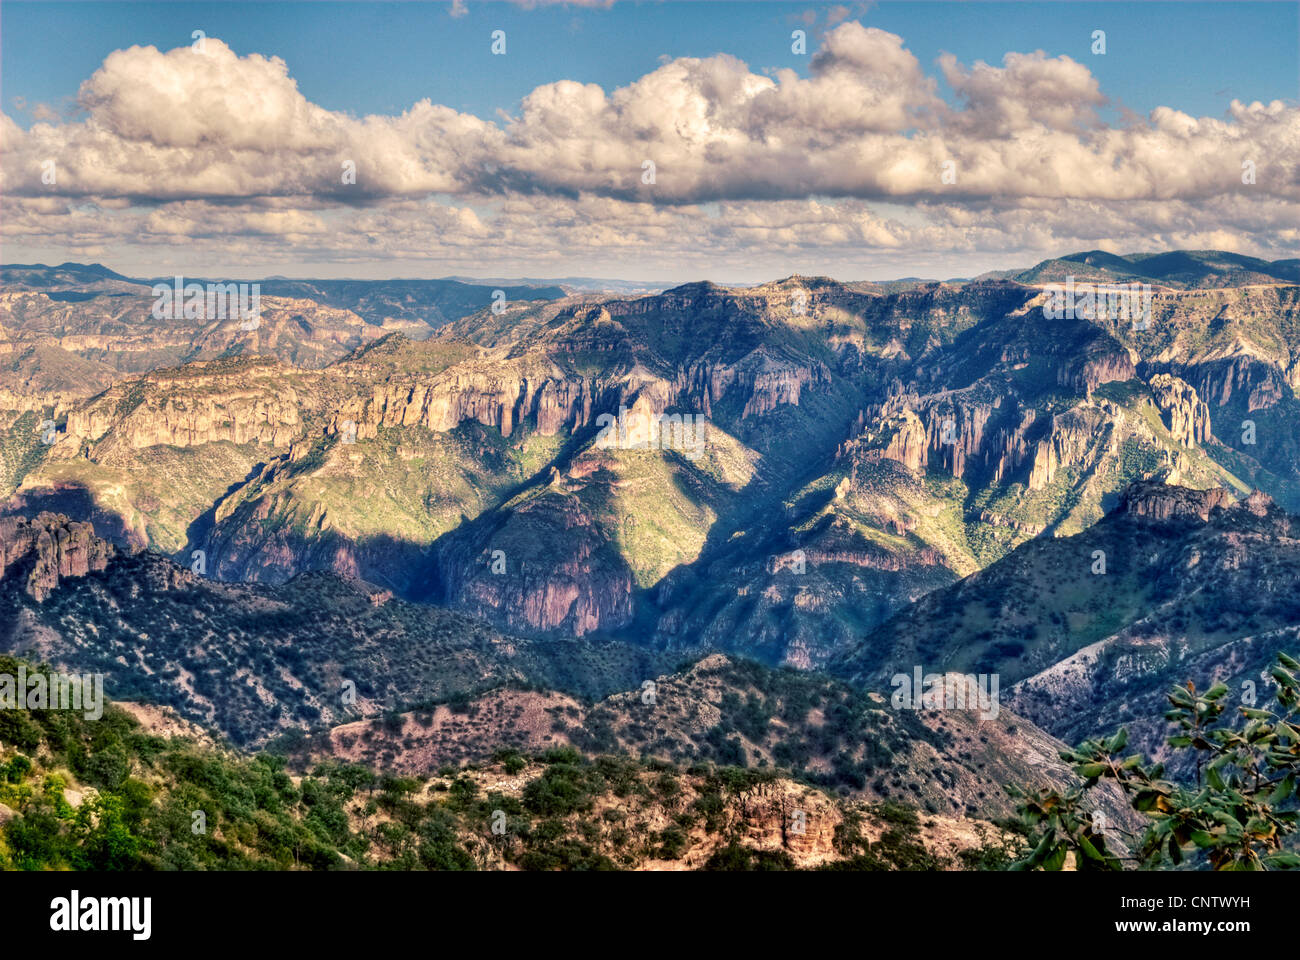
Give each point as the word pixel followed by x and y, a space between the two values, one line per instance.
pixel 77 502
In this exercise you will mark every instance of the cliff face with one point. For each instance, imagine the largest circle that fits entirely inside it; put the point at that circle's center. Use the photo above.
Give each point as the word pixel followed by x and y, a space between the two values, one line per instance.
pixel 247 401
pixel 1159 502
pixel 1003 424
pixel 547 566
pixel 42 551
pixel 512 392
pixel 1256 384
pixel 1084 437
pixel 1185 415
pixel 1013 445
pixel 234 416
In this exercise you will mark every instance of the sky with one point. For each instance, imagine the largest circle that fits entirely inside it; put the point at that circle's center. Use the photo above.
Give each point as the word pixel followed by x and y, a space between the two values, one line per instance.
pixel 930 139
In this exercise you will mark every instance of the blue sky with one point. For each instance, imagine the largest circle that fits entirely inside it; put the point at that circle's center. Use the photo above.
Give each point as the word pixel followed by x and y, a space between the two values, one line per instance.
pixel 382 57
pixel 768 162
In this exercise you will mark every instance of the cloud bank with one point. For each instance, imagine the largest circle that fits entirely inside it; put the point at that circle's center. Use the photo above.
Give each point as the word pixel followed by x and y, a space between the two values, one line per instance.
pixel 699 158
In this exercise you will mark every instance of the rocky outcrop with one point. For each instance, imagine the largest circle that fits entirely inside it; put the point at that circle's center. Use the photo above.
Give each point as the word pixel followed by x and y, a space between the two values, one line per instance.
pixel 1185 415
pixel 43 551
pixel 942 432
pixel 543 566
pixel 1043 470
pixel 1259 503
pixel 782 815
pixel 909 443
pixel 1154 501
pixel 1075 437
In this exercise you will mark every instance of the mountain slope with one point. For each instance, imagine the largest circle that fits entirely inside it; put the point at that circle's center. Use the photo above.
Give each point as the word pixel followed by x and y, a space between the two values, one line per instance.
pixel 857 448
pixel 1092 630
pixel 251 660
pixel 1181 269
pixel 139 790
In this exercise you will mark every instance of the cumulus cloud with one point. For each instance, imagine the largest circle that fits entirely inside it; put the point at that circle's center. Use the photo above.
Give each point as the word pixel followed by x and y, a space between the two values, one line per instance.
pixel 1030 91
pixel 221 147
pixel 187 124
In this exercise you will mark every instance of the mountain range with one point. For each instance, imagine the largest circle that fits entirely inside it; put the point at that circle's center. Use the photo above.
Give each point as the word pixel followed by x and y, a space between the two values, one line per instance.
pixel 499 520
pixel 881 444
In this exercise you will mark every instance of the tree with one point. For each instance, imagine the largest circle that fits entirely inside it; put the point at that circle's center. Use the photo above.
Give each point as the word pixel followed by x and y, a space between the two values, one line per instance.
pixel 1239 812
pixel 106 841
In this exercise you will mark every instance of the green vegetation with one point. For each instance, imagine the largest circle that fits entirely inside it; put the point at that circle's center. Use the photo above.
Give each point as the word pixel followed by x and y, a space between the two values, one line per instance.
pixel 107 795
pixel 137 797
pixel 21 450
pixel 1180 580
pixel 763 722
pixel 219 653
pixel 899 846
pixel 1240 814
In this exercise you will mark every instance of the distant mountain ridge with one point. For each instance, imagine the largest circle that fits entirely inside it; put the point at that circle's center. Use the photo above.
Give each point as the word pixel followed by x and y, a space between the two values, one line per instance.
pixel 1180 269
pixel 431 302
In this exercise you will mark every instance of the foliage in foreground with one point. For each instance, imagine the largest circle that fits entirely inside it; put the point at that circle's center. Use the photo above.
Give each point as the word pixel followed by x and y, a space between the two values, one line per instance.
pixel 1239 815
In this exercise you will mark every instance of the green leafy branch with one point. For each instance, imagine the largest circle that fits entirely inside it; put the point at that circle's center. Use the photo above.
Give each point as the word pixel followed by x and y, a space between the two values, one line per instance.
pixel 1238 813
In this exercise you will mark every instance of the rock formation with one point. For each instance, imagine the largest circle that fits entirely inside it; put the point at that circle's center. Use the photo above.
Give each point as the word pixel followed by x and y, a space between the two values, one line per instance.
pixel 51 547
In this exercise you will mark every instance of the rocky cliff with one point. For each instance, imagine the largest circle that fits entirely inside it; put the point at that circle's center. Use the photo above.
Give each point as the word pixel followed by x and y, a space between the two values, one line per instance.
pixel 402 461
pixel 41 552
pixel 1185 414
pixel 1159 502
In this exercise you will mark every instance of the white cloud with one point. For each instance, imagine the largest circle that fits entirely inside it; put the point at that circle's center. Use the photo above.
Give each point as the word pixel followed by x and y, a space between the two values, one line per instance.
pixel 225 150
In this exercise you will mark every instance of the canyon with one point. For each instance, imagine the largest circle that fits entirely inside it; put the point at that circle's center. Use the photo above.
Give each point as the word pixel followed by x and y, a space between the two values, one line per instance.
pixel 420 552
pixel 901 440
